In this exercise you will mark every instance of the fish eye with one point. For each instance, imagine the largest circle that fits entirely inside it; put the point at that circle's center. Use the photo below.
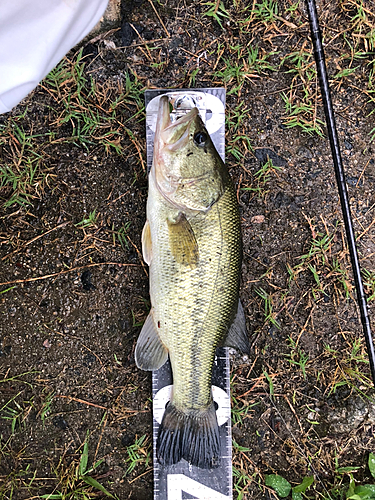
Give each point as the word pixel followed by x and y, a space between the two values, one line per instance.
pixel 200 138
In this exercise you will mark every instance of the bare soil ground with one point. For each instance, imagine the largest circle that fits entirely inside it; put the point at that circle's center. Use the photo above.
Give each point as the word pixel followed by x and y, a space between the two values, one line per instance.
pixel 74 289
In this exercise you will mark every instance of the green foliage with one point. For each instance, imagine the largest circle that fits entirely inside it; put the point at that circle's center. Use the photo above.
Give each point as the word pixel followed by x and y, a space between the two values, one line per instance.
pixel 121 235
pixel 282 487
pixel 270 315
pixel 369 283
pixel 302 115
pixel 265 11
pixel 217 11
pixel 88 221
pixel 86 108
pixel 241 481
pixel 76 483
pixel 297 356
pixel 279 484
pixel 15 412
pixel 22 175
pixel 363 492
pixel 247 65
pixel 138 453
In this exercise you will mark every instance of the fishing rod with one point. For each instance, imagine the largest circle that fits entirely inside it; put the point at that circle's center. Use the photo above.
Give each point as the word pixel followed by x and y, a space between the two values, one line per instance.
pixel 340 178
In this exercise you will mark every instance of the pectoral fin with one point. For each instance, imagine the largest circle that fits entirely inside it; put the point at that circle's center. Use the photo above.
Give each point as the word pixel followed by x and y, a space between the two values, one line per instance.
pixel 146 243
pixel 150 352
pixel 237 333
pixel 183 245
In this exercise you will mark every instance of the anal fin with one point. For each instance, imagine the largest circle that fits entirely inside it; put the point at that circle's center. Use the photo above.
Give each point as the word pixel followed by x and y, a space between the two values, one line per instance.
pixel 150 352
pixel 237 333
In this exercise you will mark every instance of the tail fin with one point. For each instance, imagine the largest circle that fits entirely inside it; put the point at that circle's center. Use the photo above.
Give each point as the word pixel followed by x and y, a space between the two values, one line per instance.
pixel 192 435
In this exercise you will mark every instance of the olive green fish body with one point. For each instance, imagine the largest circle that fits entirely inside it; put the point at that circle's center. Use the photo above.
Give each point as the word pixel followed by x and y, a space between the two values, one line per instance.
pixel 193 307
pixel 192 244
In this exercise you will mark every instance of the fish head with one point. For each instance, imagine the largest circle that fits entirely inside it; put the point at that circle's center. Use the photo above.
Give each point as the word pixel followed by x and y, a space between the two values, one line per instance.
pixel 187 169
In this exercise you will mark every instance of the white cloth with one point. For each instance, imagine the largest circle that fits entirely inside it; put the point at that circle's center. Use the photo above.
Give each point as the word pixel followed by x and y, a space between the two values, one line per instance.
pixel 34 36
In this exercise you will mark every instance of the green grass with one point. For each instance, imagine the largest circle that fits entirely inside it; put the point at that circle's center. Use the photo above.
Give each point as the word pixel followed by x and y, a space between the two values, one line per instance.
pixel 302 115
pixel 88 221
pixel 297 356
pixel 121 235
pixel 23 174
pixel 81 112
pixel 139 453
pixel 216 11
pixel 75 481
pixel 248 64
pixel 324 263
pixel 262 178
pixel 269 314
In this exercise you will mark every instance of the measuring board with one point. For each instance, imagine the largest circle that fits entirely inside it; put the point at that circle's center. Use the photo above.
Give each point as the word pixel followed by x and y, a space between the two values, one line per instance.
pixel 182 480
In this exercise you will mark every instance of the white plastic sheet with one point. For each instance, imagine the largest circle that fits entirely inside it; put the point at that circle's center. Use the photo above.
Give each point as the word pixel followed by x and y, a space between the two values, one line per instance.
pixel 34 36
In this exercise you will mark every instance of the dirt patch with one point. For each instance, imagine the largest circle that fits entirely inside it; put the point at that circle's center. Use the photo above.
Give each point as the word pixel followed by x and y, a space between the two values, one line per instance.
pixel 74 289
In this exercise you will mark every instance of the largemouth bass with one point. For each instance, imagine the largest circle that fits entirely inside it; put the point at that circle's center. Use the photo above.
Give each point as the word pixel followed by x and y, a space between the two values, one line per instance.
pixel 192 244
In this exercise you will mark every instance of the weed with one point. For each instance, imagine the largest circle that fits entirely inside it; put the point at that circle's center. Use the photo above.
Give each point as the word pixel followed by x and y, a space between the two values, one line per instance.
pixel 239 410
pixel 270 383
pixel 297 356
pixel 88 221
pixel 136 323
pixel 138 453
pixel 282 487
pixel 369 283
pixel 23 175
pixel 121 235
pixel 46 407
pixel 217 11
pixel 349 371
pixel 75 481
pixel 323 264
pixel 193 76
pixel 241 481
pixel 246 67
pixel 270 315
pixel 15 412
pixel 302 115
pixel 266 11
pixel 7 289
pixel 87 107
pixel 262 178
pixel 345 72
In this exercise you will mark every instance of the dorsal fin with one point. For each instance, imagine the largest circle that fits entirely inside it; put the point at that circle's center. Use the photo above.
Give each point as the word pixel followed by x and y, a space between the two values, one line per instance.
pixel 237 333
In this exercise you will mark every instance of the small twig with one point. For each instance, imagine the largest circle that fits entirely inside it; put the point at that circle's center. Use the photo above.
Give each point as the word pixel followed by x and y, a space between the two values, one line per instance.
pixel 139 36
pixel 35 239
pixel 161 22
pixel 304 326
pixel 100 437
pixel 80 401
pixel 144 473
pixel 139 255
pixel 135 142
pixel 363 171
pixel 27 280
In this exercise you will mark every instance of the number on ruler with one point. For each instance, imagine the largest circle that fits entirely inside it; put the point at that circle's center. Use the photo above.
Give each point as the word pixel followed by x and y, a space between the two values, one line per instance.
pixel 178 483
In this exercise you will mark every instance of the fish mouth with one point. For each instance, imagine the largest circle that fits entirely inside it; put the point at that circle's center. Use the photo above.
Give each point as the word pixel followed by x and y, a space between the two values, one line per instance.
pixel 171 136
